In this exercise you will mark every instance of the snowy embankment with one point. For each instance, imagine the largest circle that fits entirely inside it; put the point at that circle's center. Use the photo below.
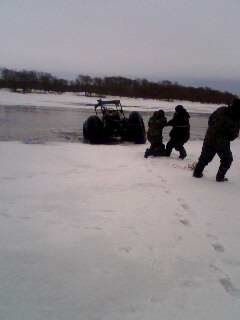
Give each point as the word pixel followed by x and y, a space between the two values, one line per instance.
pixel 71 100
pixel 99 232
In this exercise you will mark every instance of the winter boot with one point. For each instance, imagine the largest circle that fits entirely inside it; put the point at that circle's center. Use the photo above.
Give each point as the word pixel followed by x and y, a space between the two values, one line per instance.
pixel 159 151
pixel 147 153
pixel 220 177
pixel 198 171
pixel 182 152
pixel 182 156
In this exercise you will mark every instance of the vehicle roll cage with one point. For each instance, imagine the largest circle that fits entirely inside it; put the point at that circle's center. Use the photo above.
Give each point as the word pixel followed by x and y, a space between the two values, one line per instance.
pixel 103 105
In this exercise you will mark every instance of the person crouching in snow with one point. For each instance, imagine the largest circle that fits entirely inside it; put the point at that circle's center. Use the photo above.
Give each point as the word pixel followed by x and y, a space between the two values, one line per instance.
pixel 154 134
pixel 180 132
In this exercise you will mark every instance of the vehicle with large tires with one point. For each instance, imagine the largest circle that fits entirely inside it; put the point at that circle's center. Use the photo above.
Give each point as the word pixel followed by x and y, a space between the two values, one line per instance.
pixel 110 123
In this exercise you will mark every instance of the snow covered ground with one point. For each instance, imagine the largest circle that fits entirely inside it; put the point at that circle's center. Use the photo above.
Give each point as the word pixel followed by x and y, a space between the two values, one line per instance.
pixel 99 232
pixel 71 100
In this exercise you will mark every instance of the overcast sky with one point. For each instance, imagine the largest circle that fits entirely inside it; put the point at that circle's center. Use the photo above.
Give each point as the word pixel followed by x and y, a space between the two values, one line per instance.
pixel 190 41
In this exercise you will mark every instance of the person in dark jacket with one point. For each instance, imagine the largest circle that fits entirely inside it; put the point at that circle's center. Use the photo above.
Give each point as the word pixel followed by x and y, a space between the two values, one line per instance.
pixel 154 134
pixel 223 127
pixel 180 132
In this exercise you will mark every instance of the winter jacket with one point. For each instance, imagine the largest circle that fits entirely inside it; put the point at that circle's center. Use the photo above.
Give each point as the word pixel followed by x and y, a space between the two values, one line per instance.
pixel 223 127
pixel 181 127
pixel 155 128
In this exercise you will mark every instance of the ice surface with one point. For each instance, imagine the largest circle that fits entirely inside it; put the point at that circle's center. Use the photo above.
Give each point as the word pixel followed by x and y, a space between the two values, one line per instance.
pixel 71 100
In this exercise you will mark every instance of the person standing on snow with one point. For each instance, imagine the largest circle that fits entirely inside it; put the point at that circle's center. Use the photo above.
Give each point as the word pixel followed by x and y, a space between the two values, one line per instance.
pixel 180 132
pixel 154 134
pixel 223 127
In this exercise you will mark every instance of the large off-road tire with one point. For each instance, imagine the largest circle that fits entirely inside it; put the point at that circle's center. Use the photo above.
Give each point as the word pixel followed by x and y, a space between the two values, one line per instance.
pixel 93 130
pixel 136 128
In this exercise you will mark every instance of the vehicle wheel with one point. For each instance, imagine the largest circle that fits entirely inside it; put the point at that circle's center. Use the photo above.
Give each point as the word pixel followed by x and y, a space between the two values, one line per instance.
pixel 93 130
pixel 136 128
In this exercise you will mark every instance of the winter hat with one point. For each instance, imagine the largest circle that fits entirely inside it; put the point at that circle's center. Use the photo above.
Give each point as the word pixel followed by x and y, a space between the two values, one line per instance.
pixel 179 108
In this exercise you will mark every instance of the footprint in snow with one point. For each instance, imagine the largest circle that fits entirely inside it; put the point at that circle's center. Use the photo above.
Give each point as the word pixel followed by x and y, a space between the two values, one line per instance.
pixel 162 179
pixel 183 204
pixel 125 249
pixel 229 287
pixel 185 222
pixel 177 214
pixel 218 247
pixel 215 268
pixel 211 236
pixel 5 215
pixel 226 282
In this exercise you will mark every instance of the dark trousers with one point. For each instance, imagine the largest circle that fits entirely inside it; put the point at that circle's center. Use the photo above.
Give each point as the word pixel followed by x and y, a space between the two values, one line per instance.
pixel 173 144
pixel 208 153
pixel 156 149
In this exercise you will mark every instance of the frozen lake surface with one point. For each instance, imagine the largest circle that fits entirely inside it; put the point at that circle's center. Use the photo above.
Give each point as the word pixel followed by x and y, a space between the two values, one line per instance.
pixel 65 124
pixel 59 117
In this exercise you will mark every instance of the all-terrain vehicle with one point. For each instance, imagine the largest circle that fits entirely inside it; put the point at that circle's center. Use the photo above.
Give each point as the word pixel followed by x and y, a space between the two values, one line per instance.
pixel 110 123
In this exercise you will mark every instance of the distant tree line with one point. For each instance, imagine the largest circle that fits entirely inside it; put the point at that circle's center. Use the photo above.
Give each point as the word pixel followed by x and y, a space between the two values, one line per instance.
pixel 31 80
pixel 27 81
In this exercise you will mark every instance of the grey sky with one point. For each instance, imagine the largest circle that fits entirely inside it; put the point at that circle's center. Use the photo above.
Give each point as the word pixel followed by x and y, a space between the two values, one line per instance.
pixel 190 41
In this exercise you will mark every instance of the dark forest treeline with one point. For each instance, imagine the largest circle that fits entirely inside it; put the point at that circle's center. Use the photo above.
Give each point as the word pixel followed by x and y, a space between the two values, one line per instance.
pixel 116 86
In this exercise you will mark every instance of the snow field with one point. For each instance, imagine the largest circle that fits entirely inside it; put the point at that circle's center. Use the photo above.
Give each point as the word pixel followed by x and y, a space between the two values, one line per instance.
pixel 99 232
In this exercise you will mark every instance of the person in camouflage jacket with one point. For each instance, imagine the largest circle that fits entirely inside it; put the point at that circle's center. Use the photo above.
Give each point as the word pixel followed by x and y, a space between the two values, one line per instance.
pixel 154 134
pixel 223 127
